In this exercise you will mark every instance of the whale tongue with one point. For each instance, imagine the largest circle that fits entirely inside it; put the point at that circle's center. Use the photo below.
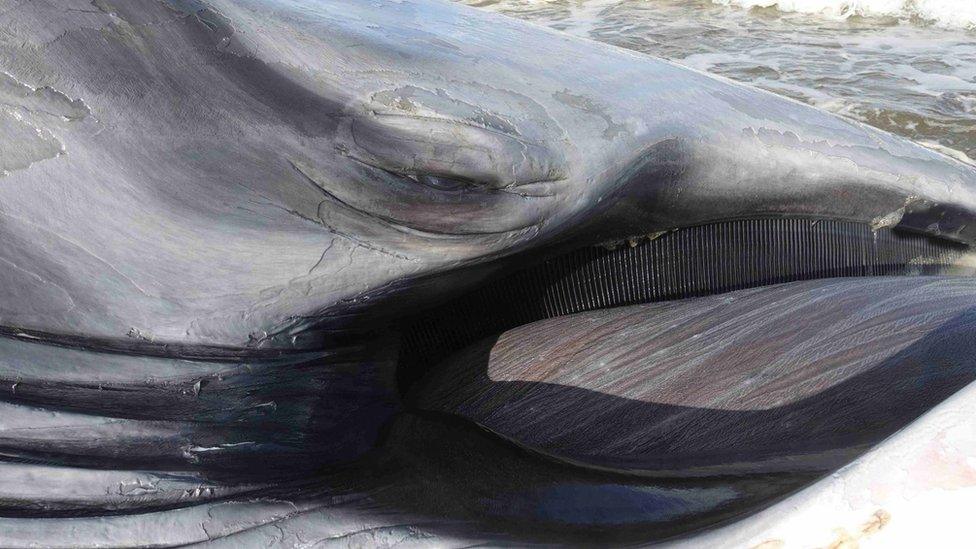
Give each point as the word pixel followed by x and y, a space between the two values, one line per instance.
pixel 784 378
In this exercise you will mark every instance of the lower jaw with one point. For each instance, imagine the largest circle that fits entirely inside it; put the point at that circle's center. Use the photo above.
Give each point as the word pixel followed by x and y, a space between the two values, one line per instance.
pixel 291 423
pixel 795 377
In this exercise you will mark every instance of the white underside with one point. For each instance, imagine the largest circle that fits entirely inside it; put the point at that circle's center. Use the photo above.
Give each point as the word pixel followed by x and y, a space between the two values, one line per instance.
pixel 917 489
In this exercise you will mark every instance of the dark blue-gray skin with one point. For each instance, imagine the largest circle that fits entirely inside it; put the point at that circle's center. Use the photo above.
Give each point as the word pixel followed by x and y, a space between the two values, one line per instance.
pixel 221 219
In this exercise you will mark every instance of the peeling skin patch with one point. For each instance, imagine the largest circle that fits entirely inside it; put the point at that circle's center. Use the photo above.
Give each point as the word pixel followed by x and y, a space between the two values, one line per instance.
pixel 414 131
pixel 136 333
pixel 439 104
pixel 43 100
pixel 22 145
pixel 952 153
pixel 589 106
pixel 892 219
pixel 888 220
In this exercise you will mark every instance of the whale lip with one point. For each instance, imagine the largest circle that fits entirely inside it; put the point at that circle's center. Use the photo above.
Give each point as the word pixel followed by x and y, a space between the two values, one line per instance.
pixel 778 378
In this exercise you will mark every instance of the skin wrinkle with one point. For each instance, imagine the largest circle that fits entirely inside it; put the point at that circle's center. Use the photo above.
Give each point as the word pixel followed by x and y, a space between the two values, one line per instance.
pixel 330 199
pixel 322 258
pixel 393 224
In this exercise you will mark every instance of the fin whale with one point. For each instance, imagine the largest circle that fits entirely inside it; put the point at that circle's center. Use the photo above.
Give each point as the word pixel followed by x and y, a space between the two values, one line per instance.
pixel 236 233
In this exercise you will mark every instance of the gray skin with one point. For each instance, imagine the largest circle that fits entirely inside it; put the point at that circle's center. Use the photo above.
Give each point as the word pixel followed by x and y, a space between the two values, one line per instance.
pixel 212 210
pixel 236 173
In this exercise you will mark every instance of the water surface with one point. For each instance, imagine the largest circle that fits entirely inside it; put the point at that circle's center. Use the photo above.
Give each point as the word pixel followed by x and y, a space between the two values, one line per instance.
pixel 900 72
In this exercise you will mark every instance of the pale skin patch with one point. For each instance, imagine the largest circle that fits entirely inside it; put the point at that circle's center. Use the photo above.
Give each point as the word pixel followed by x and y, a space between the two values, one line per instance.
pixel 845 540
pixel 943 466
pixel 770 544
pixel 878 520
pixel 875 523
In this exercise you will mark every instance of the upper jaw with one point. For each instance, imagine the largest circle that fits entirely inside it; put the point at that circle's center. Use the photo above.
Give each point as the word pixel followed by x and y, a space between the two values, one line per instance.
pixel 297 193
pixel 608 147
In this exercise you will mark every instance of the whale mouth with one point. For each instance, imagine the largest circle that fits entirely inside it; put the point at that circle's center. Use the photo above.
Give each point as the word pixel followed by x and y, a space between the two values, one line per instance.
pixel 640 390
pixel 682 263
pixel 655 386
pixel 635 391
pixel 708 371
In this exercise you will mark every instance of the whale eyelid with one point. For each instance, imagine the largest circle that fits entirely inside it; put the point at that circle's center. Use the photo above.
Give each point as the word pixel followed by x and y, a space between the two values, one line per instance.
pixel 434 182
pixel 441 183
pixel 453 152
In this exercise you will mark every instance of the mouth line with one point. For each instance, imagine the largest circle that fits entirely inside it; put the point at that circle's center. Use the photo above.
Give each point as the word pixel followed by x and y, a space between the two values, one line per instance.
pixel 662 266
pixel 683 263
pixel 145 348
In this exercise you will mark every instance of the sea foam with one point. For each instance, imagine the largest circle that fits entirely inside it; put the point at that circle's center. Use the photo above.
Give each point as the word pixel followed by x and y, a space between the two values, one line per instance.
pixel 947 13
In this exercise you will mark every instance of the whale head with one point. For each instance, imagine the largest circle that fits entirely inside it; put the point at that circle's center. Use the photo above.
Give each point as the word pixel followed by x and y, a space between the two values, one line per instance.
pixel 230 225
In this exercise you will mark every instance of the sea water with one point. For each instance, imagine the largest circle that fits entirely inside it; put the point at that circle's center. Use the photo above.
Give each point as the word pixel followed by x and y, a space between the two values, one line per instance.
pixel 905 66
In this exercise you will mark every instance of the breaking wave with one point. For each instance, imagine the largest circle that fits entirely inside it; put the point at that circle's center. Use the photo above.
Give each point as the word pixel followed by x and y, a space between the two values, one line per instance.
pixel 946 13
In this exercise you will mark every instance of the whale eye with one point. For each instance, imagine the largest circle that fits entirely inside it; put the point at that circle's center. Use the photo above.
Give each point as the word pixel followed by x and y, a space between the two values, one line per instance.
pixel 450 151
pixel 442 183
